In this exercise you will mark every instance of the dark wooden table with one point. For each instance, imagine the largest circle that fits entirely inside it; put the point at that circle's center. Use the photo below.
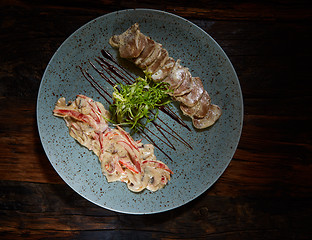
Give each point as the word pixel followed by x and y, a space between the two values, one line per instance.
pixel 265 193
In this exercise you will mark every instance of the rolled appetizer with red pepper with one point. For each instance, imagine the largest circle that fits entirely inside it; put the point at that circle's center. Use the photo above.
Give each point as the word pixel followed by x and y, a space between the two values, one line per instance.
pixel 120 156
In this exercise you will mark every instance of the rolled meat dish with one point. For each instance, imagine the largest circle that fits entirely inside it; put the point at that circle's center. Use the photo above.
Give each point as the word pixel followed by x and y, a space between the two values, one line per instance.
pixel 151 57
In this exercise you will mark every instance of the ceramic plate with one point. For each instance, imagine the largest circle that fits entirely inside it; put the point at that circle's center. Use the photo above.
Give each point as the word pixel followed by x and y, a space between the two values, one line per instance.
pixel 194 170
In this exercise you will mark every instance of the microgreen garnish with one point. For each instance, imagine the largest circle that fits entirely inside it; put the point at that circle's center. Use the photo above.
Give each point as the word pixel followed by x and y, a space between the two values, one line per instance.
pixel 137 104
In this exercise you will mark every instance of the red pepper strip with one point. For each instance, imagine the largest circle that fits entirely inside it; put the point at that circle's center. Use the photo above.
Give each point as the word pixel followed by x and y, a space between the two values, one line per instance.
pixel 132 154
pixel 95 116
pixel 110 168
pixel 110 134
pixel 159 164
pixel 100 138
pixel 96 136
pixel 117 164
pixel 85 97
pixel 91 101
pixel 133 146
pixel 128 164
pixel 163 180
pixel 127 136
pixel 92 104
pixel 76 115
pixel 73 126
pixel 126 143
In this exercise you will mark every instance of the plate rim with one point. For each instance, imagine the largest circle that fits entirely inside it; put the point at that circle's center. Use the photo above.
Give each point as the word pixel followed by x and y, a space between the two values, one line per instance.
pixel 239 90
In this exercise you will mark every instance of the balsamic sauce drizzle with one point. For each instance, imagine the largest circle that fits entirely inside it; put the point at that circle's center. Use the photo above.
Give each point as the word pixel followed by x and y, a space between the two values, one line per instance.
pixel 95 84
pixel 164 109
pixel 176 136
pixel 120 73
pixel 108 56
pixel 107 79
pixel 175 117
pixel 128 79
pixel 168 143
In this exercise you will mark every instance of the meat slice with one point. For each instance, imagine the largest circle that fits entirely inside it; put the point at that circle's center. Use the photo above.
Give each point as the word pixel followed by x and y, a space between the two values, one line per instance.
pixel 159 61
pixel 152 57
pixel 147 51
pixel 190 99
pixel 201 107
pixel 164 71
pixel 184 87
pixel 130 43
pixel 176 76
pixel 213 114
pixel 204 104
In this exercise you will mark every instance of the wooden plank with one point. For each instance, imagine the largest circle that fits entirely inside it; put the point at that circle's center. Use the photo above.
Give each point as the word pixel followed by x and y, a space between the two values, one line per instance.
pixel 225 10
pixel 265 193
pixel 35 210
pixel 22 157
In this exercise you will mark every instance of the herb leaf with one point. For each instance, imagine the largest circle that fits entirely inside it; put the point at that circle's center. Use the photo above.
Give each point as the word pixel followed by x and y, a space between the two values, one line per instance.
pixel 137 104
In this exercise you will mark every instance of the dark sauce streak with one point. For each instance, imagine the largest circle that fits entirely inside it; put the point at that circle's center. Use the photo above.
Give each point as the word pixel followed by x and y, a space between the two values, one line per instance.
pixel 178 137
pixel 107 55
pixel 103 75
pixel 124 75
pixel 168 143
pixel 111 70
pixel 175 117
pixel 95 84
pixel 166 110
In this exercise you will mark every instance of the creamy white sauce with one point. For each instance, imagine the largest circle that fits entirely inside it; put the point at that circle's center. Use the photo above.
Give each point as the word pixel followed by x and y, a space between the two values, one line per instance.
pixel 121 158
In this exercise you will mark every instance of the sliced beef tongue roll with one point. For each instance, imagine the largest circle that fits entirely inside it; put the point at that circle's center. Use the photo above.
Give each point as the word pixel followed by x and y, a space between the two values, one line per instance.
pixel 178 77
pixel 190 99
pixel 147 51
pixel 131 43
pixel 213 114
pixel 164 71
pixel 151 57
pixel 159 62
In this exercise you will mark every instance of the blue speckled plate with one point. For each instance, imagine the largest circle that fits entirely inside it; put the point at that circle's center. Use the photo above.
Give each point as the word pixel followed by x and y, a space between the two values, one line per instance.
pixel 194 170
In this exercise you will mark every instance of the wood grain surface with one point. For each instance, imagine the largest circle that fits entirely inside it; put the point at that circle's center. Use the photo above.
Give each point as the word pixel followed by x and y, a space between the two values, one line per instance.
pixel 265 193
